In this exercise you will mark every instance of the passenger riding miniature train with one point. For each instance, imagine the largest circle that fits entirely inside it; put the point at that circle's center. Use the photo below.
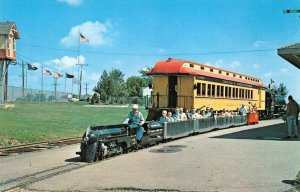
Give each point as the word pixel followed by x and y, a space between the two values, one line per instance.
pixel 185 84
pixel 99 142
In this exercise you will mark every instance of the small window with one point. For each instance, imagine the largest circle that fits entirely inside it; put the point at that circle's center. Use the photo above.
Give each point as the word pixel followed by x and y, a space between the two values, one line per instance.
pixel 191 65
pixel 209 90
pixel 198 88
pixel 213 90
pixel 203 89
pixel 220 72
pixel 233 92
pixel 222 91
pixel 202 68
pixel 227 73
pixel 211 70
pixel 241 76
pixel 218 90
pixel 226 91
pixel 233 75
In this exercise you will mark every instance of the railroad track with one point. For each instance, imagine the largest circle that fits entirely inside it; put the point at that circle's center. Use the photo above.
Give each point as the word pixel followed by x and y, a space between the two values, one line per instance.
pixel 37 146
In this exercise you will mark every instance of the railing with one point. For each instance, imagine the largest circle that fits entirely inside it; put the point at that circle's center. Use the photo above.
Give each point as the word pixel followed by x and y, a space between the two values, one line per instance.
pixel 183 128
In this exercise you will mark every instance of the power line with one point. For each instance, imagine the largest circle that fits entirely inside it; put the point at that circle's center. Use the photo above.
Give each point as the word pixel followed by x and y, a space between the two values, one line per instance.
pixel 155 54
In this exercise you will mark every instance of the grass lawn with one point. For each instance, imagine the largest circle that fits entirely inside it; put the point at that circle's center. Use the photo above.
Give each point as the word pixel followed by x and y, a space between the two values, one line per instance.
pixel 42 122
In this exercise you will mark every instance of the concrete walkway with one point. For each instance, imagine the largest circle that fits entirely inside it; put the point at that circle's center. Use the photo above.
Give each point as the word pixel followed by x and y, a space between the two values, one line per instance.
pixel 249 158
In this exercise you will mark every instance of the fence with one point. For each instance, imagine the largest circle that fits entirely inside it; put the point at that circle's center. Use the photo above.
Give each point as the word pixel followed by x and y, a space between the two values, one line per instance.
pixel 184 128
pixel 18 94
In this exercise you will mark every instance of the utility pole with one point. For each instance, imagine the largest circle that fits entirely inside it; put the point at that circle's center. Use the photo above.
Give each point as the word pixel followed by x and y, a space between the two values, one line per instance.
pixel 86 86
pixel 23 81
pixel 80 80
pixel 55 88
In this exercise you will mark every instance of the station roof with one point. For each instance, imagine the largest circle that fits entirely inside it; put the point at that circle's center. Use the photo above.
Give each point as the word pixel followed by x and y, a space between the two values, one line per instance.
pixel 6 27
pixel 184 67
pixel 291 53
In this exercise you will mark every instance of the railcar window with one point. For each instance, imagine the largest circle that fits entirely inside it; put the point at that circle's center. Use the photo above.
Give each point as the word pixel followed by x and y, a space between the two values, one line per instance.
pixel 243 93
pixel 213 90
pixel 237 92
pixel 240 93
pixel 198 88
pixel 192 65
pixel 241 76
pixel 211 70
pixel 227 73
pixel 220 72
pixel 246 94
pixel 208 89
pixel 251 94
pixel 233 92
pixel 226 91
pixel 233 75
pixel 222 91
pixel 203 89
pixel 202 68
pixel 229 92
pixel 218 90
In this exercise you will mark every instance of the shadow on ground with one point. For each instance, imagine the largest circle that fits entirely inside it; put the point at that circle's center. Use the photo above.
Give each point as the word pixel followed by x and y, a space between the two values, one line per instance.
pixel 74 159
pixel 272 132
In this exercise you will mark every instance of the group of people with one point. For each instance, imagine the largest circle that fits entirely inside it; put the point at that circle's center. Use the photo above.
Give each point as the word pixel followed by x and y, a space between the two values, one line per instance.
pixel 182 114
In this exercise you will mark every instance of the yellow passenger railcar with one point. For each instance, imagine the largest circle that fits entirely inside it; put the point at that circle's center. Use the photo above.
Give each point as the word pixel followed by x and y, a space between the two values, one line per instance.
pixel 181 83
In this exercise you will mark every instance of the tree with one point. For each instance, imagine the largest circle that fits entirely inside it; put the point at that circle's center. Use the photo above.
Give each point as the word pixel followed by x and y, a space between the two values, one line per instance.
pixel 148 79
pixel 282 90
pixel 111 85
pixel 135 85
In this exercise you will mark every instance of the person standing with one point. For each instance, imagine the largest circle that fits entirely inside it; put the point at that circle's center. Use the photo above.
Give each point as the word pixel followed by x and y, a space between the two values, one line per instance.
pixel 292 113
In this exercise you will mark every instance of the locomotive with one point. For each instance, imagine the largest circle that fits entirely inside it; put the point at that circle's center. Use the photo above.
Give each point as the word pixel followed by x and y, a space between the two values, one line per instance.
pixel 99 142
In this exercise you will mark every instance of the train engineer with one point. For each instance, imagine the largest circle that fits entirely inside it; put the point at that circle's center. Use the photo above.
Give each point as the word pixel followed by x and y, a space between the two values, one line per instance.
pixel 136 117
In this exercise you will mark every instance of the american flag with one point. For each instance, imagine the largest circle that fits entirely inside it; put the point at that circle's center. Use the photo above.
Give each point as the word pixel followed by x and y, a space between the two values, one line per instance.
pixel 46 72
pixel 83 38
pixel 57 75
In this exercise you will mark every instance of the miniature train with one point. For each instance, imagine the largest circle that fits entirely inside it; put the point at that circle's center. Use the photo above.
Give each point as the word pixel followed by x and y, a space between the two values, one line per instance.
pixel 100 142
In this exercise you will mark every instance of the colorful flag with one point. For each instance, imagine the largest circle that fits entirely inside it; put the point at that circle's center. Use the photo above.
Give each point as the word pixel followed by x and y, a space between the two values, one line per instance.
pixel 69 75
pixel 83 38
pixel 46 72
pixel 57 75
pixel 31 67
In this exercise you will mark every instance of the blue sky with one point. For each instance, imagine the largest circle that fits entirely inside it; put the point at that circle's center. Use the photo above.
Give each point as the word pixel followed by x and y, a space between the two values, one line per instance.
pixel 132 34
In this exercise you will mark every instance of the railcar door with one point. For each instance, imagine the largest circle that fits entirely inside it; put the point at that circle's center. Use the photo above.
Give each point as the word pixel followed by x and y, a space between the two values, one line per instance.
pixel 172 102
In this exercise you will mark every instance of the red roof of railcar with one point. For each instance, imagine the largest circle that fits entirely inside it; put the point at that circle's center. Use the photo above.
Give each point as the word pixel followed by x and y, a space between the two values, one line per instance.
pixel 175 66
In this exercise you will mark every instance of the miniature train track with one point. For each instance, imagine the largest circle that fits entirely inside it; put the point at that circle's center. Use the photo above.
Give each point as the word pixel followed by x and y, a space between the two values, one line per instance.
pixel 37 146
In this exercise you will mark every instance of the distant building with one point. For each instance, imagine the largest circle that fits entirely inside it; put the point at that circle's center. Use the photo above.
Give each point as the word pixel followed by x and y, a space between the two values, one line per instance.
pixel 146 91
pixel 8 36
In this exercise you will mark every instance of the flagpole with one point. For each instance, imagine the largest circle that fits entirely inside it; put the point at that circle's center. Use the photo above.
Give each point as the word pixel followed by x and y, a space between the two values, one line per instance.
pixel 78 61
pixel 42 85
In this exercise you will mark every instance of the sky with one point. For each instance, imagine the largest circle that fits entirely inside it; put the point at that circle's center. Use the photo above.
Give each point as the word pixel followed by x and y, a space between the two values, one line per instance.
pixel 133 34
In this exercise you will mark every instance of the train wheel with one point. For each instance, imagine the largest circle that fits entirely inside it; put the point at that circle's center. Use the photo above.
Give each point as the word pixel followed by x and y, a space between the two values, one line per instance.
pixel 90 153
pixel 125 149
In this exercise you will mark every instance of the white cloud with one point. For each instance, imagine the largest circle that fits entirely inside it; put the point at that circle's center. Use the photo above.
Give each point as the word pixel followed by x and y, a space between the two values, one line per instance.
pixel 284 71
pixel 268 74
pixel 66 62
pixel 208 64
pixel 255 66
pixel 259 43
pixel 117 63
pixel 96 32
pixel 219 63
pixel 235 64
pixel 162 50
pixel 71 2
